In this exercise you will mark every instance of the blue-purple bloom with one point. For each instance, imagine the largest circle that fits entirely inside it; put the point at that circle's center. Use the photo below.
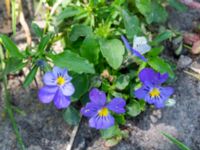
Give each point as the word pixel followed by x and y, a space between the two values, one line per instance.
pixel 129 47
pixel 99 112
pixel 152 91
pixel 57 87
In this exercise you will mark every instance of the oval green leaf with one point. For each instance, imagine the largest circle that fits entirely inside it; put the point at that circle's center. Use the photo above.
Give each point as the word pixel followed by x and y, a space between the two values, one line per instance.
pixel 113 51
pixel 73 62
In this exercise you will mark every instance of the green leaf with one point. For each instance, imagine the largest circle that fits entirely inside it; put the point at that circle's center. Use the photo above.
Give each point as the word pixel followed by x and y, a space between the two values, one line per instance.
pixel 122 82
pixel 13 65
pixel 51 2
pixel 90 49
pixel 113 141
pixel 133 108
pixel 66 13
pixel 119 2
pixel 30 77
pixel 36 29
pixel 178 51
pixel 71 116
pixel 112 51
pixel 81 84
pixel 163 36
pixel 116 94
pixel 110 132
pixel 177 5
pixel 176 142
pixel 156 51
pixel 132 24
pixel 85 99
pixel 152 10
pixel 120 119
pixel 73 62
pixel 105 85
pixel 95 81
pixel 144 6
pixel 11 47
pixel 161 66
pixel 158 13
pixel 142 105
pixel 80 31
pixel 44 42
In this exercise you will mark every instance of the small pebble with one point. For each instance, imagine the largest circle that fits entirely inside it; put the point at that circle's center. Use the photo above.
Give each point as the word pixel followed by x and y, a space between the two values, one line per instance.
pixel 34 147
pixel 198 87
pixel 153 119
pixel 157 113
pixel 184 61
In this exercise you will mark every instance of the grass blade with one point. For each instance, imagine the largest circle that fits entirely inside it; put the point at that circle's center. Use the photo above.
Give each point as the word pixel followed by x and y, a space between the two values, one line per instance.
pixel 11 115
pixel 175 141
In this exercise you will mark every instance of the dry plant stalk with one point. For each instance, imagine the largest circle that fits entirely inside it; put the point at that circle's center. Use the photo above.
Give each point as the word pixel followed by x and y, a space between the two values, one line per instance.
pixel 24 24
pixel 7 3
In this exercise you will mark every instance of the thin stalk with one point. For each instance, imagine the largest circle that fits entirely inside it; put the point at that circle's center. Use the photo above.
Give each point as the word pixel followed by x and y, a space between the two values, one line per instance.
pixel 47 21
pixel 8 106
pixel 9 111
pixel 73 136
pixel 18 110
pixel 38 7
pixel 197 76
pixel 7 3
pixel 14 18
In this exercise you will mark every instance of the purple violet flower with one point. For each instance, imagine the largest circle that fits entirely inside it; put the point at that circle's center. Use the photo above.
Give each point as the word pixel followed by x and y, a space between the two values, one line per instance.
pixel 129 47
pixel 152 91
pixel 57 87
pixel 98 111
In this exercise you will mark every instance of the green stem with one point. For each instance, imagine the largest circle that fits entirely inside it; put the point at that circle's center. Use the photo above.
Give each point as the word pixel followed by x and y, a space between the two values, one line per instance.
pixel 47 21
pixel 187 46
pixel 14 18
pixel 9 110
pixel 18 110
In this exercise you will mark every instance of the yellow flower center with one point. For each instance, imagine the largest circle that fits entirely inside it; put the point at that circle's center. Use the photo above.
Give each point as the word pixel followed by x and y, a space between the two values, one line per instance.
pixel 60 80
pixel 103 112
pixel 154 93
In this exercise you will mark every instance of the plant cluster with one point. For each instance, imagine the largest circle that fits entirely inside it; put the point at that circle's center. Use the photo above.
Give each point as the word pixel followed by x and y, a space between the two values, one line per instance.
pixel 109 66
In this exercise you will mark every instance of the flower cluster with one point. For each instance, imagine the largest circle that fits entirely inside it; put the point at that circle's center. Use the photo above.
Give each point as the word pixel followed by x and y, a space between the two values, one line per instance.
pixel 152 91
pixel 57 87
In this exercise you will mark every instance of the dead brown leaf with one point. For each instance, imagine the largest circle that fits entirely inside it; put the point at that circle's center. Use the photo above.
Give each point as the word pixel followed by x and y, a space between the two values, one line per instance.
pixel 196 48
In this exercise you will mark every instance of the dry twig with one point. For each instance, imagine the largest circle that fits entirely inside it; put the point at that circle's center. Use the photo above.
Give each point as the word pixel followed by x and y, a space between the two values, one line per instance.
pixel 24 24
pixel 197 76
pixel 73 135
